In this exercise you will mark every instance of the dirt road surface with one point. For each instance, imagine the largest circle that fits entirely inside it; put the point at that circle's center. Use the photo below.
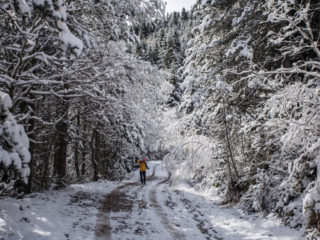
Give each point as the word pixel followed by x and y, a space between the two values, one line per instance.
pixel 156 211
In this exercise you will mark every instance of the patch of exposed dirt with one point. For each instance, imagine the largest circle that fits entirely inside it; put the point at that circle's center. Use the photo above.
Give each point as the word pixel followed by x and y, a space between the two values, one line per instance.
pixel 120 201
pixel 170 204
pixel 116 201
pixel 85 199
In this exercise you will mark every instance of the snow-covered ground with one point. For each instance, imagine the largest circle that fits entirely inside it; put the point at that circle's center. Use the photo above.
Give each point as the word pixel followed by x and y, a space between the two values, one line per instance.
pixel 66 214
pixel 129 210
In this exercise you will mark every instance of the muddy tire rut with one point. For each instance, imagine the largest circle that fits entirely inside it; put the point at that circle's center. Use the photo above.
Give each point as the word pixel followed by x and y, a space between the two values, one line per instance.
pixel 118 201
pixel 114 202
pixel 125 199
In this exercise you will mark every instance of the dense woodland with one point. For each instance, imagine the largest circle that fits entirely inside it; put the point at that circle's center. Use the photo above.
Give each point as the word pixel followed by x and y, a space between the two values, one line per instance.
pixel 227 94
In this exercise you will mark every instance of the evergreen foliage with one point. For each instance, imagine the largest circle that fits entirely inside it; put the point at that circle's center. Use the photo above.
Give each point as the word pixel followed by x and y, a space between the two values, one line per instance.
pixel 165 46
pixel 14 154
pixel 250 84
pixel 68 68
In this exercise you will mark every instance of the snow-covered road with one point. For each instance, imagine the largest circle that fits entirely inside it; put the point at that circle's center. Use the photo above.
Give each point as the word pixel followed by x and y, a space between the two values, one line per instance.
pixel 157 211
pixel 129 210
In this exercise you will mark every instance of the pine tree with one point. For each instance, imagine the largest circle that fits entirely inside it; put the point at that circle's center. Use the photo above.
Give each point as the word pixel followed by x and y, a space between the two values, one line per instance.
pixel 184 15
pixel 14 153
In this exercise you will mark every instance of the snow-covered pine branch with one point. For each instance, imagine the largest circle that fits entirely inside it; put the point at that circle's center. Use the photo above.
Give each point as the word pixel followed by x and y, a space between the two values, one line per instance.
pixel 36 40
pixel 298 34
pixel 14 151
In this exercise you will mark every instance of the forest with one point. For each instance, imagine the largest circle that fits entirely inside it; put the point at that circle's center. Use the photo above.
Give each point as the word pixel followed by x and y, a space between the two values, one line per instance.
pixel 226 94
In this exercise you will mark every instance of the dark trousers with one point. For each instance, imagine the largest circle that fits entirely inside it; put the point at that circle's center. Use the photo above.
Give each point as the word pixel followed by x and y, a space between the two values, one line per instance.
pixel 143 177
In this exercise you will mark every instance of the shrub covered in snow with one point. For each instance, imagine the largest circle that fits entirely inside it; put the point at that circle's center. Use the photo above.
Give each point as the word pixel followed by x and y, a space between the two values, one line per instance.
pixel 14 153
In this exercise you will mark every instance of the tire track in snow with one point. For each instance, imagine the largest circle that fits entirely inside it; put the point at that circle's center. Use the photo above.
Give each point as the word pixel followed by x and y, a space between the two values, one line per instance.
pixel 206 229
pixel 114 202
pixel 161 213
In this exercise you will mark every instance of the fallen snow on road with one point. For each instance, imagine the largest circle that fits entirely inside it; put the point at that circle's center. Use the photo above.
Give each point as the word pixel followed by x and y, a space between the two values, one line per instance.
pixel 54 215
pixel 216 222
pixel 130 210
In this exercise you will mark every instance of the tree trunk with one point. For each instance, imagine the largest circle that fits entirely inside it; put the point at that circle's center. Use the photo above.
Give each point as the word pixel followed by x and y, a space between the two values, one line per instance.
pixel 76 159
pixel 97 148
pixel 93 157
pixel 76 149
pixel 32 147
pixel 60 156
pixel 83 158
pixel 45 179
pixel 83 164
pixel 228 143
pixel 242 141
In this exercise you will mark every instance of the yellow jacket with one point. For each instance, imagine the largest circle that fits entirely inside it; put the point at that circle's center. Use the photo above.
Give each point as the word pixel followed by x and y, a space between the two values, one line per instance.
pixel 143 166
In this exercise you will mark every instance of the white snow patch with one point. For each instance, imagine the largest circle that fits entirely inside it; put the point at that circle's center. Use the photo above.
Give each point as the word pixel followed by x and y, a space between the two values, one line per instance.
pixel 55 214
pixel 246 10
pixel 24 8
pixel 6 101
pixel 69 40
pixel 232 224
pixel 242 45
pixel 15 137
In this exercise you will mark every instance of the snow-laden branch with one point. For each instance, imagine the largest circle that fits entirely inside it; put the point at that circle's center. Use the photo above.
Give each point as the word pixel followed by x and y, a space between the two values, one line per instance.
pixel 14 148
pixel 298 22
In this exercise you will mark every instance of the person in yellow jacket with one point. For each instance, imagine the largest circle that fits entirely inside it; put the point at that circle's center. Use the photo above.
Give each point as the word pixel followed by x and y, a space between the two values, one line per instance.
pixel 143 169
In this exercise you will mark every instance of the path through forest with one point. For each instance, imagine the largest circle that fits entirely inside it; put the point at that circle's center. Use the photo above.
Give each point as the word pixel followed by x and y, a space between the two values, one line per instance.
pixel 157 211
pixel 127 210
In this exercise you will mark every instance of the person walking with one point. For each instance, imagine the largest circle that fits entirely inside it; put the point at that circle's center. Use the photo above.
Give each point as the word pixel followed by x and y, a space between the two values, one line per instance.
pixel 143 169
